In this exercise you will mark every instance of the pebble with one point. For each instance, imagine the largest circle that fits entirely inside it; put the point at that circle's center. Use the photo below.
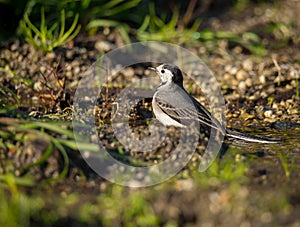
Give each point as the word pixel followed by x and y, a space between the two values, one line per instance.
pixel 20 58
pixel 268 113
pixel 51 56
pixel 70 54
pixel 38 86
pixel 241 75
pixel 227 68
pixel 43 69
pixel 82 50
pixel 237 49
pixel 233 70
pixel 75 63
pixel 262 79
pixel 253 97
pixel 248 82
pixel 128 72
pixel 104 46
pixel 270 90
pixel 294 73
pixel 69 74
pixel 76 70
pixel 227 77
pixel 282 103
pixel 275 105
pixel 15 46
pixel 247 65
pixel 293 111
pixel 242 86
pixel 35 101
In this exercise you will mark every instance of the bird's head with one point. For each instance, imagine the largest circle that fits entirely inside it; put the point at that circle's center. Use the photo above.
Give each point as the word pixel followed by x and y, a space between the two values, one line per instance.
pixel 169 74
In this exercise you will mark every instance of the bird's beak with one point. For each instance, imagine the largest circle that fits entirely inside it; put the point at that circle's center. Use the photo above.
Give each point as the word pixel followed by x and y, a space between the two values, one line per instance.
pixel 154 69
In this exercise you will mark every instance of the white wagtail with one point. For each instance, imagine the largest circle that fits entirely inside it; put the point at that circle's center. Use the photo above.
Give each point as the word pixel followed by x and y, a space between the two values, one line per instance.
pixel 173 106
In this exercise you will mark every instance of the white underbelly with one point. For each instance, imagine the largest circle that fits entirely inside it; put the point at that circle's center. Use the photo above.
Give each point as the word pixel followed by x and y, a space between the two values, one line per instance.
pixel 164 118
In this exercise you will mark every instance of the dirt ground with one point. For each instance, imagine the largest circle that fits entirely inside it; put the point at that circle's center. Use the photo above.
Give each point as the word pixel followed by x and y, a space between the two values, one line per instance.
pixel 247 185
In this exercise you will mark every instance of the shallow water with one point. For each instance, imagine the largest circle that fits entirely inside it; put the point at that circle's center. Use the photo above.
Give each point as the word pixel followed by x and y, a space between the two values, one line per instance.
pixel 277 164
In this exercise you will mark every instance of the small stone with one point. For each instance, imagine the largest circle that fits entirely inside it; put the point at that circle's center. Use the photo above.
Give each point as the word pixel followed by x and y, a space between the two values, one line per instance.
pixel 202 50
pixel 35 100
pixel 128 72
pixel 68 74
pixel 103 187
pixel 294 73
pixel 38 86
pixel 104 46
pixel 282 103
pixel 68 67
pixel 262 79
pixel 238 49
pixel 82 50
pixel 253 97
pixel 15 46
pixel 76 70
pixel 227 68
pixel 262 94
pixel 293 111
pixel 233 70
pixel 268 113
pixel 42 69
pixel 247 65
pixel 248 82
pixel 75 63
pixel 275 105
pixel 70 54
pixel 20 58
pixel 241 75
pixel 50 55
pixel 242 86
pixel 227 77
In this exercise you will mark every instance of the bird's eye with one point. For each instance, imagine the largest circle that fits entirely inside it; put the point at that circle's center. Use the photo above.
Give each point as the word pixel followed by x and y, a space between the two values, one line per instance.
pixel 162 71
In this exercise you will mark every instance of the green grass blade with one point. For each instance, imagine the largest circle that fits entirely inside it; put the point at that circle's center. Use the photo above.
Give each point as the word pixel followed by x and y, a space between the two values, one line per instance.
pixel 52 126
pixel 56 127
pixel 124 34
pixel 123 7
pixel 31 26
pixel 75 33
pixel 64 154
pixel 145 24
pixel 62 25
pixel 101 9
pixel 21 181
pixel 43 27
pixel 79 146
pixel 69 32
pixel 102 23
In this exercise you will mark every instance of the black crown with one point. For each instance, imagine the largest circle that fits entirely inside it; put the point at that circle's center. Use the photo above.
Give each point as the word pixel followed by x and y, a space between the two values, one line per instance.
pixel 177 74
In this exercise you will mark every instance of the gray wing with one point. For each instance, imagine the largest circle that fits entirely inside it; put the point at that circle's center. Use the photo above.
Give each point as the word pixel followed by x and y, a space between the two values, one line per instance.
pixel 190 111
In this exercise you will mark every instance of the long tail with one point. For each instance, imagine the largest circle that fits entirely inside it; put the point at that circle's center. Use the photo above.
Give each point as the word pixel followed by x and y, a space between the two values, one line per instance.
pixel 235 135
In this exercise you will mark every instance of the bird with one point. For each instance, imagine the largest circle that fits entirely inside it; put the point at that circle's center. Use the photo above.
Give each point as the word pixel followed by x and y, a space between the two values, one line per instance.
pixel 172 105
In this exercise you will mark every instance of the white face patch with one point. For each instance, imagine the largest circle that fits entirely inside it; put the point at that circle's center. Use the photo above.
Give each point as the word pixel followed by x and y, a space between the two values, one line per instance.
pixel 165 74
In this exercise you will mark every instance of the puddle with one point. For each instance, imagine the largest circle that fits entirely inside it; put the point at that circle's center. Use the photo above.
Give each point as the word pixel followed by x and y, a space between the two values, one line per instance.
pixel 274 165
